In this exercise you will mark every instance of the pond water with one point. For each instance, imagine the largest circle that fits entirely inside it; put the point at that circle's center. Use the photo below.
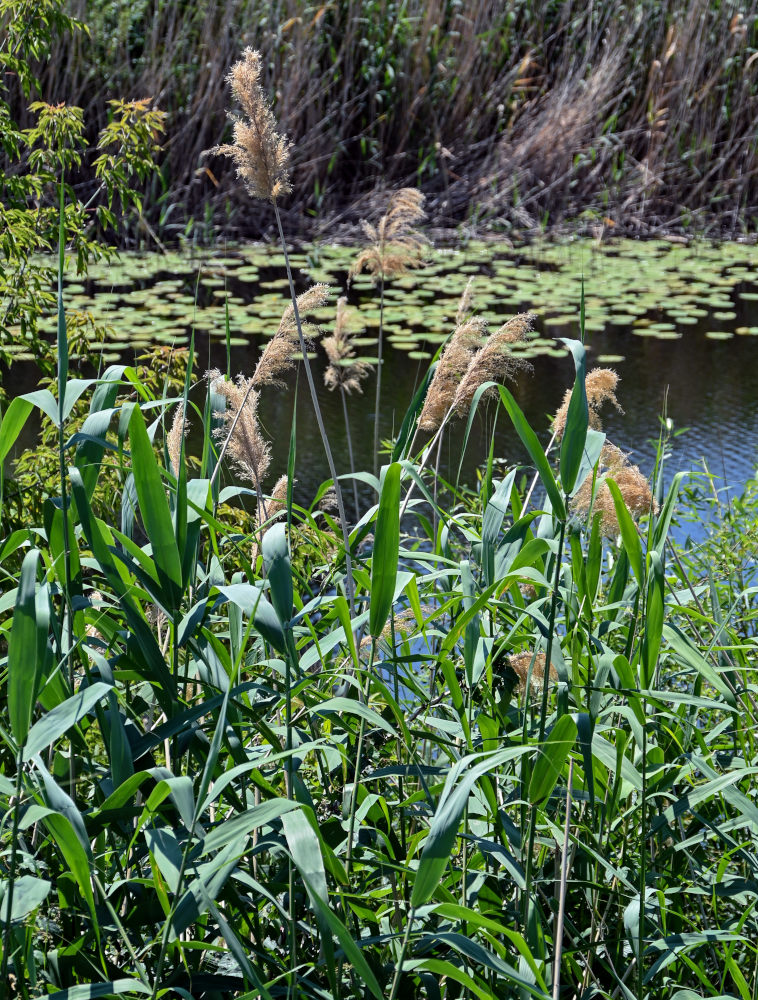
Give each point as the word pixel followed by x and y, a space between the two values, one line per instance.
pixel 678 323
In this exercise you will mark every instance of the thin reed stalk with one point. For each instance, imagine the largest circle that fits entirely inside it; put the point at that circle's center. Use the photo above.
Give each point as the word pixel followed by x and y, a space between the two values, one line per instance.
pixel 558 936
pixel 349 582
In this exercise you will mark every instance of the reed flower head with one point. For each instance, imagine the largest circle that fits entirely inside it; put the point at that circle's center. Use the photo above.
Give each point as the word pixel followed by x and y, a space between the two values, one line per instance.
pixel 260 153
pixel 269 509
pixel 614 464
pixel 247 448
pixel 452 366
pixel 277 502
pixel 495 362
pixel 344 371
pixel 520 664
pixel 465 303
pixel 394 245
pixel 179 427
pixel 600 386
pixel 282 351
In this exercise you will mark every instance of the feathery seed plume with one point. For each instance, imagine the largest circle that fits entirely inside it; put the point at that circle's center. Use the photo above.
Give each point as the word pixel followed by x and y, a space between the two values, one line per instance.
pixel 614 464
pixel 260 153
pixel 248 449
pixel 466 303
pixel 494 362
pixel 452 366
pixel 283 350
pixel 600 386
pixel 277 502
pixel 179 428
pixel 344 371
pixel 394 245
pixel 520 664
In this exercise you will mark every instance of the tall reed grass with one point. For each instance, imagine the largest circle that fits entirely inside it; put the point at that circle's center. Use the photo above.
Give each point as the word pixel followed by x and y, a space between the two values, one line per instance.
pixel 509 758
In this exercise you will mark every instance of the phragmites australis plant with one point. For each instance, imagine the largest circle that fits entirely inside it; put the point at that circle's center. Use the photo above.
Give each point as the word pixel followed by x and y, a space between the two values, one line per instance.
pixel 262 157
pixel 600 385
pixel 453 364
pixel 345 372
pixel 175 437
pixel 239 783
pixel 495 361
pixel 260 153
pixel 280 354
pixel 394 246
pixel 240 431
pixel 595 497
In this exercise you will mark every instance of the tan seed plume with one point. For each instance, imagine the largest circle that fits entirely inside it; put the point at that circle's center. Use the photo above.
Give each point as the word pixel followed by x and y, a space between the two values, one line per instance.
pixel 520 664
pixel 277 502
pixel 635 490
pixel 248 449
pixel 466 303
pixel 495 362
pixel 260 153
pixel 600 386
pixel 179 428
pixel 344 371
pixel 283 350
pixel 394 245
pixel 452 366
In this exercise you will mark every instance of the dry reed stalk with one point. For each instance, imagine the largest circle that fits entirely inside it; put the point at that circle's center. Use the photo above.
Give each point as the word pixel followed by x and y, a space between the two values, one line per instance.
pixel 345 373
pixel 494 362
pixel 394 246
pixel 635 491
pixel 283 350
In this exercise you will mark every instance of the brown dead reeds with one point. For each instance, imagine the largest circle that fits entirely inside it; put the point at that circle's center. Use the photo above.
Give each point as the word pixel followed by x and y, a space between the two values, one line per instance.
pixel 643 116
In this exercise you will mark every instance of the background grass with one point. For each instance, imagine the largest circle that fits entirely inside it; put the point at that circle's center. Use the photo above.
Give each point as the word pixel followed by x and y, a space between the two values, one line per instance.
pixel 520 115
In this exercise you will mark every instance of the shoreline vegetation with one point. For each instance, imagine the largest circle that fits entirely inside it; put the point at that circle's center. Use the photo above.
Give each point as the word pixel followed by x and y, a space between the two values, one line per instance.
pixel 635 118
pixel 253 750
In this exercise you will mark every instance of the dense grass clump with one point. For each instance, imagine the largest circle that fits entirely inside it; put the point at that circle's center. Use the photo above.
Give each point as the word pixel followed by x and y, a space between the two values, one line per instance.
pixel 491 743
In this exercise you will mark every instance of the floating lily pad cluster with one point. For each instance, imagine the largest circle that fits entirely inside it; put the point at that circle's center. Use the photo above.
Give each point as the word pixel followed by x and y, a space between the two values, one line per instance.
pixel 652 289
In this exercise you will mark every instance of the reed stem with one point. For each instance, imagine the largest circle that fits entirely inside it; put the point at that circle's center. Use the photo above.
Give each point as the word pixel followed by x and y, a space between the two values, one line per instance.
pixel 349 582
